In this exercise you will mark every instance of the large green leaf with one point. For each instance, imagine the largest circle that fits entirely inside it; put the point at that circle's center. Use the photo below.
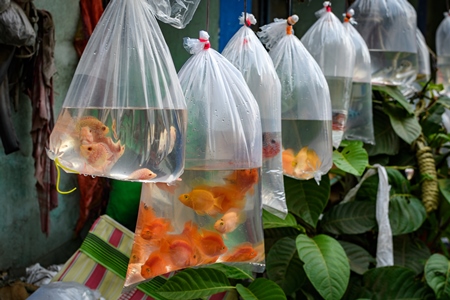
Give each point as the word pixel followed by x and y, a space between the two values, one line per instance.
pixel 352 159
pixel 410 252
pixel 405 214
pixel 407 127
pixel 350 218
pixel 358 257
pixel 195 283
pixel 437 274
pixel 431 122
pixel 395 283
pixel 444 188
pixel 272 221
pixel 231 271
pixel 386 140
pixel 395 93
pixel 306 199
pixel 284 266
pixel 325 264
pixel 261 289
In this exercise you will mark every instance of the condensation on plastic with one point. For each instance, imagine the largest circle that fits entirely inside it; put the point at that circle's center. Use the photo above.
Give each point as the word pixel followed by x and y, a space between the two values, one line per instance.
pixel 124 115
pixel 177 13
pixel 214 213
pixel 389 29
pixel 65 291
pixel 360 117
pixel 15 28
pixel 305 104
pixel 332 48
pixel 443 53
pixel 245 52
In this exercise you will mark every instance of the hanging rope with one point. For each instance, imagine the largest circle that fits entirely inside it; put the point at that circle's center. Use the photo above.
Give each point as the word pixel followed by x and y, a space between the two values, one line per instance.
pixel 207 15
pixel 289 7
pixel 245 13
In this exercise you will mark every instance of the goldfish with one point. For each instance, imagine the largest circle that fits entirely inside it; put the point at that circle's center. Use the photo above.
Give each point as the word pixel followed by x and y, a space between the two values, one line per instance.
pixel 202 202
pixel 288 161
pixel 156 229
pixel 211 243
pixel 98 155
pixel 85 135
pixel 180 249
pixel 243 179
pixel 97 128
pixel 142 174
pixel 244 252
pixel 146 214
pixel 137 252
pixel 271 146
pixel 155 265
pixel 230 221
pixel 232 196
pixel 306 163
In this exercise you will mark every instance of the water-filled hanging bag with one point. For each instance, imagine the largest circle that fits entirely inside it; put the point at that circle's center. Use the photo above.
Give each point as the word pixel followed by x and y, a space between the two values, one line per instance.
pixel 360 118
pixel 332 48
pixel 305 103
pixel 214 213
pixel 389 29
pixel 443 53
pixel 245 52
pixel 124 115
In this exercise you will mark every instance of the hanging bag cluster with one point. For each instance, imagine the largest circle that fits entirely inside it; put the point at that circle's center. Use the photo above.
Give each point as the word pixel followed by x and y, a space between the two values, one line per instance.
pixel 245 52
pixel 124 115
pixel 332 48
pixel 305 103
pixel 214 213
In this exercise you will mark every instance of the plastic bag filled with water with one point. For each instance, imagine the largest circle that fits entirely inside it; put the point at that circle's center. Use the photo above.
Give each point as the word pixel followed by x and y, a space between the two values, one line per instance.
pixel 245 52
pixel 443 53
pixel 333 50
pixel 360 117
pixel 214 213
pixel 124 115
pixel 389 29
pixel 305 103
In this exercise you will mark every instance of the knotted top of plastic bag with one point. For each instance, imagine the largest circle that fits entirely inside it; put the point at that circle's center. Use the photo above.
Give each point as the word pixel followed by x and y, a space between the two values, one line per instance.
pixel 330 45
pixel 177 13
pixel 224 125
pixel 387 25
pixel 443 36
pixel 126 63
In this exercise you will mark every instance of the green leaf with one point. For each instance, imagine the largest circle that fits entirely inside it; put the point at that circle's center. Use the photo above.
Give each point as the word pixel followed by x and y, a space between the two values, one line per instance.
pixel 352 159
pixel 407 127
pixel 358 257
pixel 395 283
pixel 325 264
pixel 431 122
pixel 386 140
pixel 272 221
pixel 444 188
pixel 231 271
pixel 395 93
pixel 284 266
pixel 405 214
pixel 445 101
pixel 437 274
pixel 261 289
pixel 306 199
pixel 195 283
pixel 410 253
pixel 350 218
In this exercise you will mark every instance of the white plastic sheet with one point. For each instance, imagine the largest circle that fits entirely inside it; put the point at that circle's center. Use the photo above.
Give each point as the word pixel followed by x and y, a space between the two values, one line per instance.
pixel 177 13
pixel 443 53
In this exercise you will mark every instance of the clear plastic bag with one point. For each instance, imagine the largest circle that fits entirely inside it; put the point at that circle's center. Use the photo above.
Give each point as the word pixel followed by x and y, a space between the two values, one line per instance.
pixel 124 115
pixel 389 29
pixel 423 56
pixel 443 53
pixel 15 28
pixel 360 117
pixel 65 291
pixel 214 213
pixel 305 103
pixel 4 4
pixel 333 50
pixel 177 13
pixel 245 52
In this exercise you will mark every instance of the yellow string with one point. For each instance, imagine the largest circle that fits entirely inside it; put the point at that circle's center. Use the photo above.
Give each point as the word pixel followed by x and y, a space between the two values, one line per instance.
pixel 59 165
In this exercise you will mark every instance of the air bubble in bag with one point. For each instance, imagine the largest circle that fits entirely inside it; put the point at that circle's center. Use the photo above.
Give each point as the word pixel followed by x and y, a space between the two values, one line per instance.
pixel 124 115
pixel 443 53
pixel 214 213
pixel 360 117
pixel 389 29
pixel 305 103
pixel 333 50
pixel 245 52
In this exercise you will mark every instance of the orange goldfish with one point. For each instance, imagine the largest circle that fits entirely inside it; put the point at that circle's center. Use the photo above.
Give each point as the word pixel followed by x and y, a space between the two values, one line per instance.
pixel 146 214
pixel 156 229
pixel 244 252
pixel 271 145
pixel 97 128
pixel 142 174
pixel 231 196
pixel 243 179
pixel 155 265
pixel 98 155
pixel 180 249
pixel 137 252
pixel 288 161
pixel 230 221
pixel 202 201
pixel 211 243
pixel 85 135
pixel 306 163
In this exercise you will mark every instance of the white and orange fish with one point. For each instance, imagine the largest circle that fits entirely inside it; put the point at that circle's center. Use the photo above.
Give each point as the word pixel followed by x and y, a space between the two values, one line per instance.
pixel 97 128
pixel 98 155
pixel 230 221
pixel 142 174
